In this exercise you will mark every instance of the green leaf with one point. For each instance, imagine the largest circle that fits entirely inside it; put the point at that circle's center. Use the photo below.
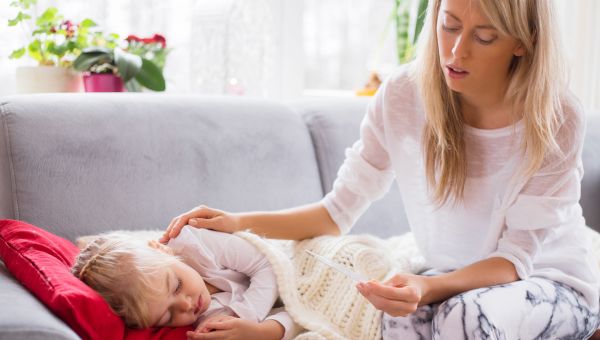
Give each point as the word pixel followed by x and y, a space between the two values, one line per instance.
pixel 25 4
pixel 133 86
pixel 20 17
pixel 49 17
pixel 128 64
pixel 92 56
pixel 16 54
pixel 58 50
pixel 34 49
pixel 150 76
pixel 87 23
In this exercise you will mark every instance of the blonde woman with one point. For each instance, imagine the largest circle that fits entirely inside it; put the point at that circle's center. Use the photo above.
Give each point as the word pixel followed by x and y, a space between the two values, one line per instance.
pixel 484 142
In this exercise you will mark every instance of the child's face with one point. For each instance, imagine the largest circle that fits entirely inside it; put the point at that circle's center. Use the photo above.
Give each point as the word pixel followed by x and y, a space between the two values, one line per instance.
pixel 185 297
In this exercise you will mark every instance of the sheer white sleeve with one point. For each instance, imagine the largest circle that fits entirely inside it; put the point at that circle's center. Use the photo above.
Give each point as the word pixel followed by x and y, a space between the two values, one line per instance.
pixel 549 201
pixel 366 174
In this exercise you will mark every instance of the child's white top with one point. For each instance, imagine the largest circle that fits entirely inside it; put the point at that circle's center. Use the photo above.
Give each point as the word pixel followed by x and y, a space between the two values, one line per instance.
pixel 536 223
pixel 242 272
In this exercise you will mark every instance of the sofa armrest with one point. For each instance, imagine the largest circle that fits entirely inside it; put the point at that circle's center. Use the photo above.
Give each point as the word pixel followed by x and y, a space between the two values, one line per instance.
pixel 19 308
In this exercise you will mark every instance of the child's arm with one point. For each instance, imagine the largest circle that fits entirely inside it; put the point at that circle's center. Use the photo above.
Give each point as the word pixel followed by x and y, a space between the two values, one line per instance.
pixel 229 327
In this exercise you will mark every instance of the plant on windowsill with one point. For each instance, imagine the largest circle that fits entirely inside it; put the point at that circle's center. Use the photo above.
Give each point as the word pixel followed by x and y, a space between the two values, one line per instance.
pixel 53 43
pixel 153 48
pixel 408 17
pixel 109 70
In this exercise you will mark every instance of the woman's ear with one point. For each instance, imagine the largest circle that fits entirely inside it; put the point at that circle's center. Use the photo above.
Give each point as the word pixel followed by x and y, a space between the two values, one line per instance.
pixel 519 51
pixel 161 247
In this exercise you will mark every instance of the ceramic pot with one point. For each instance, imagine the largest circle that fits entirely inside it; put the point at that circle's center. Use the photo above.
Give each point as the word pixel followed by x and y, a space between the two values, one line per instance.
pixel 102 82
pixel 38 79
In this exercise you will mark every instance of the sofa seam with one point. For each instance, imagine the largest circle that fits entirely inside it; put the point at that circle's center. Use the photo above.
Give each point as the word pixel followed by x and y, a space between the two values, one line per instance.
pixel 318 138
pixel 4 113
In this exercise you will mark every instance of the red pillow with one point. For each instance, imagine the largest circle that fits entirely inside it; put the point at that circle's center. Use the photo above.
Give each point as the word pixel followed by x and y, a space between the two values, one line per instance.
pixel 41 262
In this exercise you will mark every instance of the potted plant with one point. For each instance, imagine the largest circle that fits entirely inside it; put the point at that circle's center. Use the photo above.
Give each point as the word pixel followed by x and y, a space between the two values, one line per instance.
pixel 108 70
pixel 153 48
pixel 53 43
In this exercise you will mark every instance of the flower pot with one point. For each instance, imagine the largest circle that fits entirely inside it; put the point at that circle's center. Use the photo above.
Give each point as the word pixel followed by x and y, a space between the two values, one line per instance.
pixel 102 82
pixel 37 79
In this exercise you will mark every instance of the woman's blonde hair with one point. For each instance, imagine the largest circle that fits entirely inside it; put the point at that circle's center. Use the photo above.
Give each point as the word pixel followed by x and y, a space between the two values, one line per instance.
pixel 537 83
pixel 124 272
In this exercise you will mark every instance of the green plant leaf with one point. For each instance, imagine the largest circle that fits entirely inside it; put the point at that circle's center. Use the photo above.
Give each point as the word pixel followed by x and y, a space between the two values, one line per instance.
pixel 25 4
pixel 34 49
pixel 92 56
pixel 16 54
pixel 20 17
pixel 128 64
pixel 49 17
pixel 133 86
pixel 150 76
pixel 86 23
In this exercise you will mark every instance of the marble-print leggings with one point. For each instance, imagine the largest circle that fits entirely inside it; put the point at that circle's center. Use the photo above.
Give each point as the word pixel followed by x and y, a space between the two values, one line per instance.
pixel 535 308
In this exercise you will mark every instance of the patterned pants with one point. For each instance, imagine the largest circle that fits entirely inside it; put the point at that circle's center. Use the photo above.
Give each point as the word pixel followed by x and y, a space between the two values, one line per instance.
pixel 530 309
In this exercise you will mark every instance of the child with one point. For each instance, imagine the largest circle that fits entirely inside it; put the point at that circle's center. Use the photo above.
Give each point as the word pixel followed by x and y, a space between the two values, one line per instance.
pixel 215 281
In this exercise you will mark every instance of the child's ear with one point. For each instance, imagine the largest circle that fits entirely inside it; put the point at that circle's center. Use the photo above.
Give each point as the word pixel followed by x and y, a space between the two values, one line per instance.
pixel 161 247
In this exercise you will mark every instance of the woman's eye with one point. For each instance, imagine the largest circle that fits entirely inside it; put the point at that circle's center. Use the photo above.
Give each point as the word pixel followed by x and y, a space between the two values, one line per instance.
pixel 450 29
pixel 484 41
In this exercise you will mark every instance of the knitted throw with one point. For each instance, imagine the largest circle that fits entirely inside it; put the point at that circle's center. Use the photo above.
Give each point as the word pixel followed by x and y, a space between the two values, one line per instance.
pixel 324 301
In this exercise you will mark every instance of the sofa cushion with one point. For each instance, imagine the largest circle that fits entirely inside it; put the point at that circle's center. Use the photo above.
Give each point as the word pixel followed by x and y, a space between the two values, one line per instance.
pixel 334 126
pixel 41 261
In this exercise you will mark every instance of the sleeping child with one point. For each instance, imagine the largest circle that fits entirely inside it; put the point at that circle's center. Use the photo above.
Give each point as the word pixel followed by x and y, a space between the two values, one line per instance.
pixel 217 282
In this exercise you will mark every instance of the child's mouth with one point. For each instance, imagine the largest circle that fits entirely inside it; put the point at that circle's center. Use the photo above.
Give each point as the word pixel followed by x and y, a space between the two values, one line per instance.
pixel 198 305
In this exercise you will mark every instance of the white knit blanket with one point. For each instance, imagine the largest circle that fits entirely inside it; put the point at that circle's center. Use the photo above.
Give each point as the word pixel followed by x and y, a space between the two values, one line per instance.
pixel 325 302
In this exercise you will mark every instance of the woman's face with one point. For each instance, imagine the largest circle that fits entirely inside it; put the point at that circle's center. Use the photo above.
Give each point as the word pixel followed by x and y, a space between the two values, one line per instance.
pixel 474 55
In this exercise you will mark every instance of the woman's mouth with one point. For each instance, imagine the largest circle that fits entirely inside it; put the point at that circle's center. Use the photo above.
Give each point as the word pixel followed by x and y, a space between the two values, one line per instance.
pixel 456 72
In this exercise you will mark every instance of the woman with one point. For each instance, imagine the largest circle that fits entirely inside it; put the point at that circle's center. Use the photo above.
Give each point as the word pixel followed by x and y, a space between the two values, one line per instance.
pixel 485 143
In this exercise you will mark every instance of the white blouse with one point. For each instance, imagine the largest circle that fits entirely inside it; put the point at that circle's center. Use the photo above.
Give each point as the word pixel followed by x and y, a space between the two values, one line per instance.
pixel 536 222
pixel 243 274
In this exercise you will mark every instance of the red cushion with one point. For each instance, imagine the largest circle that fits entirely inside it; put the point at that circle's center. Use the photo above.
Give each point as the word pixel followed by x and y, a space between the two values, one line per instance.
pixel 41 261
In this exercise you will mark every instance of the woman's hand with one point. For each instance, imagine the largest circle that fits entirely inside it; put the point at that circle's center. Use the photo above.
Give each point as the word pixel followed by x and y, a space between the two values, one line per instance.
pixel 232 328
pixel 398 296
pixel 202 217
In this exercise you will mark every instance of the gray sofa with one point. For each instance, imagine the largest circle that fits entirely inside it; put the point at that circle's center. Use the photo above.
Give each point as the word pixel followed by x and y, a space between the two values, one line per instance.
pixel 80 164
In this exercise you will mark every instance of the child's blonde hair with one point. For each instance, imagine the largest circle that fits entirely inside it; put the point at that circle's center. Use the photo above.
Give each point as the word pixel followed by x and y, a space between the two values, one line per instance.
pixel 124 272
pixel 537 85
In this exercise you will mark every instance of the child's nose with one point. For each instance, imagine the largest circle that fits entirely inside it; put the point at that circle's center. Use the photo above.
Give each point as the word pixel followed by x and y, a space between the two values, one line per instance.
pixel 185 303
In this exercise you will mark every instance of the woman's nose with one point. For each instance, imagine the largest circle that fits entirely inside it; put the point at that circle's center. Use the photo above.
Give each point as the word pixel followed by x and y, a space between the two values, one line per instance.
pixel 460 49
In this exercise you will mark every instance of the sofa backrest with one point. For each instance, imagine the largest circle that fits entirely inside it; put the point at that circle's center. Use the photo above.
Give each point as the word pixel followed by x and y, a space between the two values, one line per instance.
pixel 78 164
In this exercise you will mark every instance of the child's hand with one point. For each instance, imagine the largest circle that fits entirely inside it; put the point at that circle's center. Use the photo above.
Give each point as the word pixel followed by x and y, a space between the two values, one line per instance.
pixel 202 217
pixel 202 328
pixel 232 328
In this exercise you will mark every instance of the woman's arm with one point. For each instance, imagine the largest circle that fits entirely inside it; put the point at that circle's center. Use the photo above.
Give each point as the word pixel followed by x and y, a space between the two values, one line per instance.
pixel 489 272
pixel 294 224
pixel 297 223
pixel 404 293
